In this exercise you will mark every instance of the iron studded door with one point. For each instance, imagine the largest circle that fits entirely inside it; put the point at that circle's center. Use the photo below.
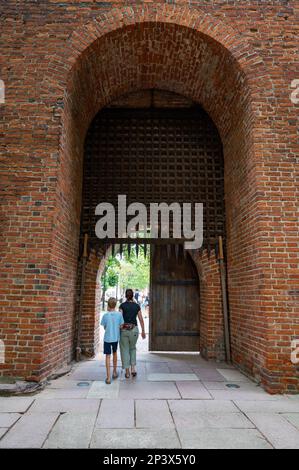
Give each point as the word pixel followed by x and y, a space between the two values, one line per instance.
pixel 174 301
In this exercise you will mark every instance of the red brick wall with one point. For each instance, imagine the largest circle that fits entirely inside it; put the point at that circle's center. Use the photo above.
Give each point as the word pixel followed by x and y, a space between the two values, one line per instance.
pixel 61 63
pixel 90 331
pixel 211 317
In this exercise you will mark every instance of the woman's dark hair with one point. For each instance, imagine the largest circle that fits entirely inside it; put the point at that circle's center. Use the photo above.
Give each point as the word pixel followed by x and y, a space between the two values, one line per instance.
pixel 129 294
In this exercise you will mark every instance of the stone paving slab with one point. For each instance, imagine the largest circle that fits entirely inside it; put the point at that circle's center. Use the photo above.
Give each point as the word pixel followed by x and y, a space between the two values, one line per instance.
pixel 187 358
pixel 8 419
pixel 153 414
pixel 134 439
pixel 89 375
pixel 93 366
pixel 192 359
pixel 151 357
pixel 87 364
pixel 97 368
pixel 51 394
pixel 222 439
pixel 202 406
pixel 224 386
pixel 243 394
pixel 15 404
pixel 181 370
pixel 140 368
pixel 193 390
pixel 116 414
pixel 141 377
pixel 209 375
pixel 193 416
pixel 215 385
pixel 141 374
pixel 277 429
pixel 148 390
pixel 161 377
pixel 67 384
pixel 102 390
pixel 71 431
pixel 270 406
pixel 131 413
pixel 201 420
pixel 220 365
pixel 75 405
pixel 233 375
pixel 203 364
pixel 187 366
pixel 292 418
pixel 157 368
pixel 29 432
pixel 293 397
pixel 174 361
pixel 3 431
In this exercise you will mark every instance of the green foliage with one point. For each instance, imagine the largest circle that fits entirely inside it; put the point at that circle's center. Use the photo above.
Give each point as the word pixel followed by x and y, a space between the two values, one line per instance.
pixel 111 274
pixel 134 273
pixel 128 271
pixel 112 278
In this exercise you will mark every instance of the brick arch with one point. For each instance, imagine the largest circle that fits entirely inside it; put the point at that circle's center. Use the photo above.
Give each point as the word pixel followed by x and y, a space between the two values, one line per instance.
pixel 188 52
pixel 212 27
pixel 83 44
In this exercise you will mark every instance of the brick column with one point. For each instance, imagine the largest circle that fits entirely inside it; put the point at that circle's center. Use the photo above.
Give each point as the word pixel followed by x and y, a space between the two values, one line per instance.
pixel 211 317
pixel 90 334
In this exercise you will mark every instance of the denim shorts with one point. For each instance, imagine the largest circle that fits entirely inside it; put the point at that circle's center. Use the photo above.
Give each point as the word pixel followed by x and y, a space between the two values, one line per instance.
pixel 109 346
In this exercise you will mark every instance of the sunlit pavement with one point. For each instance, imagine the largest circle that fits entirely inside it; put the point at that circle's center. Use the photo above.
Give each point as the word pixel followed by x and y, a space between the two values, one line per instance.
pixel 176 401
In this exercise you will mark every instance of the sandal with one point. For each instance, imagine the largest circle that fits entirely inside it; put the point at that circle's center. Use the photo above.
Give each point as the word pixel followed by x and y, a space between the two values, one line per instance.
pixel 127 375
pixel 108 382
pixel 134 374
pixel 115 375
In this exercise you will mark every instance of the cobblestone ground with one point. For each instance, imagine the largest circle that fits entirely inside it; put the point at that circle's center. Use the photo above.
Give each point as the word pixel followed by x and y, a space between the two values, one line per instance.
pixel 176 401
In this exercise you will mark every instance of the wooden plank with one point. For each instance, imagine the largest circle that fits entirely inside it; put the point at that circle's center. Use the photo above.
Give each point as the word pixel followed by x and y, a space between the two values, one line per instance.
pixel 175 306
pixel 178 333
pixel 177 282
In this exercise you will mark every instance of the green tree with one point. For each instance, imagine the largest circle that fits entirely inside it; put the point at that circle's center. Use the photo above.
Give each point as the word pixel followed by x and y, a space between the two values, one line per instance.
pixel 134 273
pixel 111 273
pixel 128 270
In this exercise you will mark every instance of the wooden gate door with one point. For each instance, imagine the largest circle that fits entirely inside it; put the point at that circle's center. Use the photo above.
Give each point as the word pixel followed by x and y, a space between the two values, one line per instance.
pixel 174 301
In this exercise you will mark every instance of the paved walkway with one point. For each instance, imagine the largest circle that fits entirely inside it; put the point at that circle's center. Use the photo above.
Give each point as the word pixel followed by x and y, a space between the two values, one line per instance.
pixel 176 401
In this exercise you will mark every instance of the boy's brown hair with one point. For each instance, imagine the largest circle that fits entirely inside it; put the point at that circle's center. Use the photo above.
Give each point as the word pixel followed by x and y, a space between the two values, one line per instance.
pixel 112 302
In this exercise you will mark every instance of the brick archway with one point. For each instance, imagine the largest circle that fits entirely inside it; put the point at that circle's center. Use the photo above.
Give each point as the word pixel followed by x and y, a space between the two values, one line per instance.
pixel 187 51
pixel 178 50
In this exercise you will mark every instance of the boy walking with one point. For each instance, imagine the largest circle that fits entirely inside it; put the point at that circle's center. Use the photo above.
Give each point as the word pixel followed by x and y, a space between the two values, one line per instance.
pixel 111 321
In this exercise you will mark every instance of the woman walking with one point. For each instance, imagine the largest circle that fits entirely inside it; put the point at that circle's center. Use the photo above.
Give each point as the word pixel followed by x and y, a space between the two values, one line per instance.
pixel 130 332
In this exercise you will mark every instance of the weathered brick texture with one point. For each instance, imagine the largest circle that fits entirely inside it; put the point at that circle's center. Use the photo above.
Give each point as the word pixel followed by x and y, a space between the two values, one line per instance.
pixel 61 63
pixel 91 303
pixel 212 344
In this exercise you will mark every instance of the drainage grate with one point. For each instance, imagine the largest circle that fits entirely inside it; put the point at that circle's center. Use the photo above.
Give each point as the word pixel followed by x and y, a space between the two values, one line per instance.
pixel 83 384
pixel 232 386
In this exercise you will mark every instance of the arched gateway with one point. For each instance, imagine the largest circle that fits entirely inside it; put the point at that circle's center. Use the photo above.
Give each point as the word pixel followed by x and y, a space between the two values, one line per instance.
pixel 154 146
pixel 193 54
